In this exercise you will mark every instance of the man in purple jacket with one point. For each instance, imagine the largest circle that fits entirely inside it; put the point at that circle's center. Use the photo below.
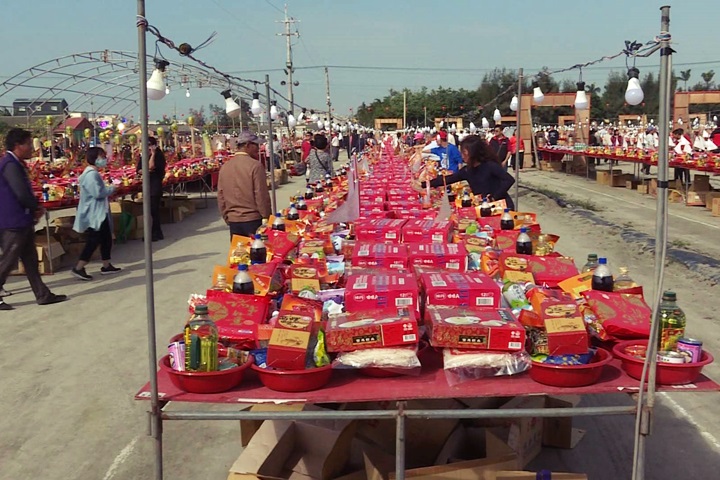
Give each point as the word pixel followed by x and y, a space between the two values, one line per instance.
pixel 19 211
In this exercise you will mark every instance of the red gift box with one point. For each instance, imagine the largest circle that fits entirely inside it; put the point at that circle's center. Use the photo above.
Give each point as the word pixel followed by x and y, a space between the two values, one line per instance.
pixel 492 222
pixel 410 196
pixel 547 270
pixel 379 255
pixel 481 329
pixel 400 205
pixel 237 316
pixel 426 231
pixel 566 335
pixel 289 341
pixel 370 329
pixel 415 213
pixel 472 289
pixel 389 291
pixel 621 315
pixel 380 230
pixel 450 256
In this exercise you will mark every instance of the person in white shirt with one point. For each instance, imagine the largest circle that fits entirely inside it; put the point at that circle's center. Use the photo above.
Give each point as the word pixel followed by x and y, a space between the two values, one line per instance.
pixel 680 146
pixel 335 147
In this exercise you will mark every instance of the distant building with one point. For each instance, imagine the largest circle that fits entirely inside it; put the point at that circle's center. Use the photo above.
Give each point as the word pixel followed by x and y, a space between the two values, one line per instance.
pixel 24 107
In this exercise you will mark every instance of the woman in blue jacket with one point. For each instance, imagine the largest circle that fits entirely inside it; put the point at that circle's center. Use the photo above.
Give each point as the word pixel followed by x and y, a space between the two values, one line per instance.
pixel 93 215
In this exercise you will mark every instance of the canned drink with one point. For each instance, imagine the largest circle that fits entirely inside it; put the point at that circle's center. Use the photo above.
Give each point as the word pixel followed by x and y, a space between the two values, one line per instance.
pixel 176 350
pixel 691 349
pixel 671 357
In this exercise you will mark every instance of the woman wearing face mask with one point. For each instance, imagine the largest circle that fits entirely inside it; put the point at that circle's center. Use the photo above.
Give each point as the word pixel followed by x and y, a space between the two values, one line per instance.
pixel 93 215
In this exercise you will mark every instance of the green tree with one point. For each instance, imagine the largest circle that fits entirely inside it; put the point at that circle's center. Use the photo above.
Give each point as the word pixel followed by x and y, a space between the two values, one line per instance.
pixel 685 76
pixel 707 78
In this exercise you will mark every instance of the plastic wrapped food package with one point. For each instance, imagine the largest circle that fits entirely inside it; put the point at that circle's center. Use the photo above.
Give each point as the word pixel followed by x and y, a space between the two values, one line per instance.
pixel 400 358
pixel 465 365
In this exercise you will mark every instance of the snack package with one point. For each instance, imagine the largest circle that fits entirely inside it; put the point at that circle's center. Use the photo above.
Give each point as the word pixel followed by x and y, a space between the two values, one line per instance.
pixel 402 359
pixel 465 365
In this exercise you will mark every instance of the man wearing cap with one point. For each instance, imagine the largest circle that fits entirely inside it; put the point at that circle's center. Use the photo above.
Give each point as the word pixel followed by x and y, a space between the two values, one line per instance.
pixel 450 158
pixel 243 197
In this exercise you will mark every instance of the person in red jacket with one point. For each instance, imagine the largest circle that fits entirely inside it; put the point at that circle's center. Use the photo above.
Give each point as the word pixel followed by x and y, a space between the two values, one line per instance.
pixel 715 137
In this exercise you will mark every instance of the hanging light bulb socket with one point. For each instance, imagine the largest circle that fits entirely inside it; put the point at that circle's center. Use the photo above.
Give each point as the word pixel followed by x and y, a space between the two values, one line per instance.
pixel 538 95
pixel 156 89
pixel 255 106
pixel 231 106
pixel 581 100
pixel 514 103
pixel 273 110
pixel 634 94
pixel 291 120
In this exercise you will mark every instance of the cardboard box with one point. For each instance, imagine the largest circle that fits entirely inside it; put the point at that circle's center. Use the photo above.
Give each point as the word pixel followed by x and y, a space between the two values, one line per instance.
pixel 382 291
pixel 49 255
pixel 379 230
pixel 381 255
pixel 285 450
pixel 700 183
pixel 139 232
pixel 716 207
pixel 289 340
pixel 621 180
pixel 653 186
pixel 481 329
pixel 558 432
pixel 644 189
pixel 472 289
pixel 546 270
pixel 465 443
pixel 632 184
pixel 695 199
pixel 426 231
pixel 248 428
pixel 709 197
pixel 347 332
pixel 605 177
pixel 449 256
pixel 482 469
pixel 566 335
pixel 523 436
pixel 551 166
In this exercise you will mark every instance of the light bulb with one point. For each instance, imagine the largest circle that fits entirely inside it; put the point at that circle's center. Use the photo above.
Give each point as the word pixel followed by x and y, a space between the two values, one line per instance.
pixel 715 118
pixel 231 107
pixel 496 115
pixel 581 100
pixel 634 94
pixel 320 124
pixel 300 116
pixel 273 111
pixel 255 106
pixel 291 120
pixel 187 93
pixel 538 95
pixel 514 103
pixel 473 128
pixel 326 124
pixel 453 128
pixel 156 84
pixel 679 121
pixel 485 123
pixel 313 116
pixel 121 127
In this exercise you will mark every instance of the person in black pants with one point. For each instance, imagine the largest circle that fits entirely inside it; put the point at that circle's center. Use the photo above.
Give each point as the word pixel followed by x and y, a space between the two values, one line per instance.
pixel 156 165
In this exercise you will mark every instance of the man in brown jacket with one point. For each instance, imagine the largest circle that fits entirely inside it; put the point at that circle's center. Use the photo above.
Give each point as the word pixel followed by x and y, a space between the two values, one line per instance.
pixel 243 197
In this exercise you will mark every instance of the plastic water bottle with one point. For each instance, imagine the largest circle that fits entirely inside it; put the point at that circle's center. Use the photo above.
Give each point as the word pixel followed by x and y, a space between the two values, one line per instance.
pixel 309 192
pixel 451 196
pixel 292 213
pixel 201 342
pixel 328 181
pixel 278 223
pixel 485 208
pixel 242 283
pixel 258 251
pixel 523 246
pixel 466 201
pixel 319 187
pixel 506 221
pixel 602 277
pixel 592 263
pixel 301 205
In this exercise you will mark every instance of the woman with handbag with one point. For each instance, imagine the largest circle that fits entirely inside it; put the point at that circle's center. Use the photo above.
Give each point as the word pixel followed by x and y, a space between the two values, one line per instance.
pixel 319 160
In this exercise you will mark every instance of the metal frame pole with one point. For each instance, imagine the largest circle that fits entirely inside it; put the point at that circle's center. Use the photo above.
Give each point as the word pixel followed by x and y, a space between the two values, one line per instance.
pixel 155 419
pixel 271 160
pixel 644 415
pixel 518 139
pixel 400 442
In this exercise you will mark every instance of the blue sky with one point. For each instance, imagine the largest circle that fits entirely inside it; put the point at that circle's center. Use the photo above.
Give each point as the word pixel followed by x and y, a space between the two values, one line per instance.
pixel 469 37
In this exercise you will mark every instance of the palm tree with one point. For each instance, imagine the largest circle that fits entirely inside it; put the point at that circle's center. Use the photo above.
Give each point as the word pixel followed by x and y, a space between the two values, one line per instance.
pixel 707 78
pixel 685 76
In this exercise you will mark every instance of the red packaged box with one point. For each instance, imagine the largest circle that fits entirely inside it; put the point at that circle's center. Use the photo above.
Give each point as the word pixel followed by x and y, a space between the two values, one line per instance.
pixel 372 199
pixel 619 315
pixel 478 329
pixel 400 205
pixel 370 329
pixel 450 256
pixel 547 270
pixel 379 255
pixel 426 231
pixel 237 316
pixel 289 341
pixel 409 196
pixel 388 291
pixel 566 335
pixel 492 222
pixel 415 213
pixel 380 230
pixel 506 239
pixel 472 289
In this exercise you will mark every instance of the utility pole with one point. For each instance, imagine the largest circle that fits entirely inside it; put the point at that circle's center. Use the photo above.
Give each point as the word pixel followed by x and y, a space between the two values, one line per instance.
pixel 327 93
pixel 289 62
pixel 404 109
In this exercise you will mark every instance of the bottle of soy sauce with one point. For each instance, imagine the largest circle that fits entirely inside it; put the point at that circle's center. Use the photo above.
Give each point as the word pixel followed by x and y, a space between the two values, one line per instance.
pixel 301 205
pixel 258 251
pixel 602 277
pixel 506 221
pixel 292 213
pixel 242 283
pixel 485 208
pixel 466 201
pixel 523 246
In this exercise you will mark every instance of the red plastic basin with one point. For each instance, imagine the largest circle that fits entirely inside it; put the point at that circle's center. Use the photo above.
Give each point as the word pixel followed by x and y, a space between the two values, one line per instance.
pixel 571 375
pixel 205 382
pixel 667 373
pixel 294 380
